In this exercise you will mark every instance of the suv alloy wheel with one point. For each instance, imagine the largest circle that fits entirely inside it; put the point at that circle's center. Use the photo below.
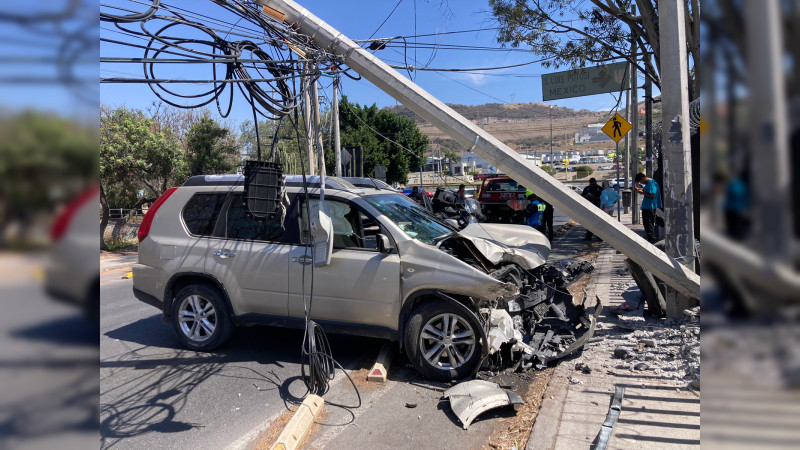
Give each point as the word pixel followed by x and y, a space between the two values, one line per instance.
pixel 442 342
pixel 200 318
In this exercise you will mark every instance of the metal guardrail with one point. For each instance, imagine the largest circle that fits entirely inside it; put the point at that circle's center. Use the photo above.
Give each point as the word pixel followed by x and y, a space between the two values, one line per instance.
pixel 121 213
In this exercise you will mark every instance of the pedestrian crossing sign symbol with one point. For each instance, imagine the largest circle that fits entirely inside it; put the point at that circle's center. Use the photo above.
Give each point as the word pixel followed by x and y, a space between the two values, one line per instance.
pixel 617 127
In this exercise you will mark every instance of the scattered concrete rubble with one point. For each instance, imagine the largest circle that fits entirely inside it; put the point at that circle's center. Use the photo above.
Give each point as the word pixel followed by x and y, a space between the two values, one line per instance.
pixel 666 348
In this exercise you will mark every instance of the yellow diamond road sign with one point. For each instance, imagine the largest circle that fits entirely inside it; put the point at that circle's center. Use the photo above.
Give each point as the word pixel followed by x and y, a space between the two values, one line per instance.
pixel 617 127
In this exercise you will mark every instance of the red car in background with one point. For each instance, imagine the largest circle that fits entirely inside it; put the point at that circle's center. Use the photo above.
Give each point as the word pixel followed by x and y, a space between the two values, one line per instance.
pixel 494 196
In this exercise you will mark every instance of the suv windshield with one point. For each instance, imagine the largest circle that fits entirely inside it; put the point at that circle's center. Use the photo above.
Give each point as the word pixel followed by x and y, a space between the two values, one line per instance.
pixel 413 220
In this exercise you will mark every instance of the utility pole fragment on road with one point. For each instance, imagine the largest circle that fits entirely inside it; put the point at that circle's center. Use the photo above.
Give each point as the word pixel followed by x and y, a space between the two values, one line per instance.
pixel 676 146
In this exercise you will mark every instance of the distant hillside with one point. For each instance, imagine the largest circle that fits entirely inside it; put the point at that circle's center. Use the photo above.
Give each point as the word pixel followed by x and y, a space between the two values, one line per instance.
pixel 521 126
pixel 492 112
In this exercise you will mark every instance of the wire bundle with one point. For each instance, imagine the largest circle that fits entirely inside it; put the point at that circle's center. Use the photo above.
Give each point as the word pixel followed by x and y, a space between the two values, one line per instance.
pixel 261 65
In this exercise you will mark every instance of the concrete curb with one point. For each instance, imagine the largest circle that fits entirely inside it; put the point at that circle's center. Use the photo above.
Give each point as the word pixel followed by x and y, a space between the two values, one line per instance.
pixel 545 428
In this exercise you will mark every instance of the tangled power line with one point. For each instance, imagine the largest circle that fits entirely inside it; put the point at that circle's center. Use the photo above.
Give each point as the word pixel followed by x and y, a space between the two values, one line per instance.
pixel 257 55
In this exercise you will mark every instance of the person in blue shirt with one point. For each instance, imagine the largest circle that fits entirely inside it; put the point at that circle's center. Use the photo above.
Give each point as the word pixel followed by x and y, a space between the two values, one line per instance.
pixel 608 198
pixel 651 202
pixel 534 213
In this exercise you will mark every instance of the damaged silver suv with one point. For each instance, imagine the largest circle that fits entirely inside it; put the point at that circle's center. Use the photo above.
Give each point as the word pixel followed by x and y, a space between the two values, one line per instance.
pixel 396 271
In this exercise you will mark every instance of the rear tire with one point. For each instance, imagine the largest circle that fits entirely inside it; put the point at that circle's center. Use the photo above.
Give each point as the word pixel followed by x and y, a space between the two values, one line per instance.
pixel 200 318
pixel 442 342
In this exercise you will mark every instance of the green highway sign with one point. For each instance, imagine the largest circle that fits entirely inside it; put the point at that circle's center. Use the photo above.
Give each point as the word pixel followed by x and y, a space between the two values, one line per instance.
pixel 586 81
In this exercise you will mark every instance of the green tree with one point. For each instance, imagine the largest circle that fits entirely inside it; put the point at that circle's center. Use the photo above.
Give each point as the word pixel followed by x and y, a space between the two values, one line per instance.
pixel 570 33
pixel 387 139
pixel 289 150
pixel 44 160
pixel 134 157
pixel 211 148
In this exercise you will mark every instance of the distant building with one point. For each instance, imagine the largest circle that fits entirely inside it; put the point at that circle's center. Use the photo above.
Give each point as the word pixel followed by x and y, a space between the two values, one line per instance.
pixel 591 133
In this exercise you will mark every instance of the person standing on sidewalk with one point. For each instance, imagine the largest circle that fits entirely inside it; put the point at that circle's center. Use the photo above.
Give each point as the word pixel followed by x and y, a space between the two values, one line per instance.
pixel 592 193
pixel 651 202
pixel 609 198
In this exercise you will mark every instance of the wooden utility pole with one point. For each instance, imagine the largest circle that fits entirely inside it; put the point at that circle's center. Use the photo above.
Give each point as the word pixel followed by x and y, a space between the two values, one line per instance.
pixel 677 189
pixel 337 147
pixel 307 108
pixel 634 121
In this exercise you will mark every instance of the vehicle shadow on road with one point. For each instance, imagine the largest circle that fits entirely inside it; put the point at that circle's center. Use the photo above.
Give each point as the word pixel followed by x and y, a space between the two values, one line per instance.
pixel 167 375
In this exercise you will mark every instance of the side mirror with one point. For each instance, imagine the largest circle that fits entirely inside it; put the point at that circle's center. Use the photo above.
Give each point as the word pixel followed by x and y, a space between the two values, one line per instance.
pixel 453 223
pixel 384 244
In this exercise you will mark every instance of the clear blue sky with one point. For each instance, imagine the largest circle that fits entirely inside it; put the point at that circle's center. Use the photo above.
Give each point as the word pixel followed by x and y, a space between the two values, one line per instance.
pixel 360 20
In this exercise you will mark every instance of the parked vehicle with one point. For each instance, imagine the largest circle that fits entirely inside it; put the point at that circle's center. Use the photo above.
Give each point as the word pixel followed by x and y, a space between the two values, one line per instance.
pixel 72 272
pixel 621 182
pixel 396 271
pixel 372 183
pixel 447 206
pixel 604 168
pixel 494 196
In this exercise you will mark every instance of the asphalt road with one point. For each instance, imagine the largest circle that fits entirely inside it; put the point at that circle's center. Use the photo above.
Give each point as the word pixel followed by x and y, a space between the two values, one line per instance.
pixel 156 394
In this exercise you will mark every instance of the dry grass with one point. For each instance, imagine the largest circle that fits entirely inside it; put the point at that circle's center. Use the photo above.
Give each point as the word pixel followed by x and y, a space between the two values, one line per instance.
pixel 269 437
pixel 514 431
pixel 267 440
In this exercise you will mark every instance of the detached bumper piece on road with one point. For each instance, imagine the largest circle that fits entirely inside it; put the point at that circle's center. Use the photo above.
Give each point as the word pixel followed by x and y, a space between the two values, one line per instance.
pixel 543 324
pixel 472 398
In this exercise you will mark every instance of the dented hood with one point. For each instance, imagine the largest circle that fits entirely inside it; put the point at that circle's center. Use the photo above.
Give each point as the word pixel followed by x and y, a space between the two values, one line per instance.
pixel 502 243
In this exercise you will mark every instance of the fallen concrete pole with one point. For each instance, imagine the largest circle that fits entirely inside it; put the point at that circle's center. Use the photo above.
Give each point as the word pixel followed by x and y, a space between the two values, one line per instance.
pixel 500 155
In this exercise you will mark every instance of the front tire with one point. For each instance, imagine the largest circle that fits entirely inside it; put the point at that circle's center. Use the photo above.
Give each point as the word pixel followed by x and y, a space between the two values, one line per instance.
pixel 443 342
pixel 200 318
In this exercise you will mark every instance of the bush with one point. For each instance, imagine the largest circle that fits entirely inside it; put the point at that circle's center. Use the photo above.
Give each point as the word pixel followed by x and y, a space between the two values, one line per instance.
pixel 583 171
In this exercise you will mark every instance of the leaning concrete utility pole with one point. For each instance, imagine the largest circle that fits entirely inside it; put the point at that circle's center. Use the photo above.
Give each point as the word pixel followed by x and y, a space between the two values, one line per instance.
pixel 677 190
pixel 489 147
pixel 337 147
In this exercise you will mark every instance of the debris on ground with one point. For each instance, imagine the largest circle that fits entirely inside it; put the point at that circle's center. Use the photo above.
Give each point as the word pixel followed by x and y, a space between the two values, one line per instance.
pixel 583 367
pixel 543 323
pixel 666 348
pixel 472 398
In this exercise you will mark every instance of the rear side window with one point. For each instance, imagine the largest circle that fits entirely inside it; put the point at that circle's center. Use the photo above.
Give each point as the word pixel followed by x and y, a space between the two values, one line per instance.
pixel 240 225
pixel 201 212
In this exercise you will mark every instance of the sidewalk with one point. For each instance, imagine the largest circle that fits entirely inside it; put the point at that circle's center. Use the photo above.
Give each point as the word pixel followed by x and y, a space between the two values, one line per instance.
pixel 116 262
pixel 659 410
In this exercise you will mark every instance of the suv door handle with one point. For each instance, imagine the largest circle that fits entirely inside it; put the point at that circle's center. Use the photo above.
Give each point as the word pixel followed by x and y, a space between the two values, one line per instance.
pixel 304 260
pixel 224 254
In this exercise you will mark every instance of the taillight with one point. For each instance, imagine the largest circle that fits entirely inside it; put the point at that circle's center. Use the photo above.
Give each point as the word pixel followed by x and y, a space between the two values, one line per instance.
pixel 61 224
pixel 144 228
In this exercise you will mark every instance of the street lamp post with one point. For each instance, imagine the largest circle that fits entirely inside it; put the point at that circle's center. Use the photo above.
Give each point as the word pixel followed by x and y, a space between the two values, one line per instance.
pixel 552 161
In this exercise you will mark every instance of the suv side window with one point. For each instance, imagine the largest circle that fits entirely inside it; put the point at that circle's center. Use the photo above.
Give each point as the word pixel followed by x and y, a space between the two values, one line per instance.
pixel 349 226
pixel 240 225
pixel 201 212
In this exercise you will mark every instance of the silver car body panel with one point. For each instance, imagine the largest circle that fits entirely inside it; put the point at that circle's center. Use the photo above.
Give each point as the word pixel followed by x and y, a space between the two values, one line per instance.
pixel 505 243
pixel 472 398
